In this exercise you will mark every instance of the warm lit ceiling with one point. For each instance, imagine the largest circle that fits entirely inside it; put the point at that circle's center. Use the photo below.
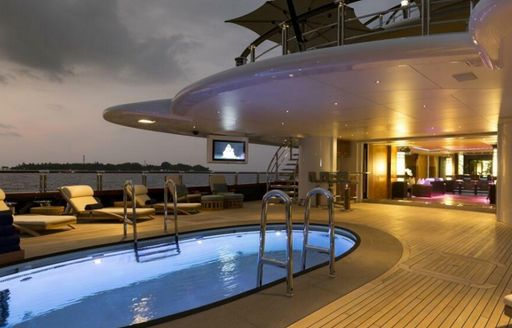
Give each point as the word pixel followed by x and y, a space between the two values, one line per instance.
pixel 402 88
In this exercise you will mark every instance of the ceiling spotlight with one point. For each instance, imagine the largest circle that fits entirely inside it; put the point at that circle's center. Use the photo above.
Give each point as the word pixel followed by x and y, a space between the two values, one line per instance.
pixel 145 121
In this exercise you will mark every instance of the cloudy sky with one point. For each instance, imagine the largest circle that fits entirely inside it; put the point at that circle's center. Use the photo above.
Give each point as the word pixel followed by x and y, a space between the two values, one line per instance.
pixel 62 62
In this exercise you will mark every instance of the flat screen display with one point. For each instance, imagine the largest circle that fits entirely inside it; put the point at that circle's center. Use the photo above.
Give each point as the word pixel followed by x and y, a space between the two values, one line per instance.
pixel 229 150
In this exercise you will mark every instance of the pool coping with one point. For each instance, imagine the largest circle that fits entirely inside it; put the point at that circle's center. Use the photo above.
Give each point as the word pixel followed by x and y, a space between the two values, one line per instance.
pixel 314 289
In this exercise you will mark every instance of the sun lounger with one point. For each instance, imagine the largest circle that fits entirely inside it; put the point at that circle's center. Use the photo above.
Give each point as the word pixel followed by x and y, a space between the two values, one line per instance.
pixel 143 200
pixel 31 224
pixel 81 202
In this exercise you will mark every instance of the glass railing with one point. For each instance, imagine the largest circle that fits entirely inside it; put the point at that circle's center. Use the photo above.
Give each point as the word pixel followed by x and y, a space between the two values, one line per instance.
pixel 49 181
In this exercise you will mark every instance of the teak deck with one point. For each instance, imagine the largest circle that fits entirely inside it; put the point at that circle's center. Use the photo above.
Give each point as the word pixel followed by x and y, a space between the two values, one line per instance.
pixel 455 268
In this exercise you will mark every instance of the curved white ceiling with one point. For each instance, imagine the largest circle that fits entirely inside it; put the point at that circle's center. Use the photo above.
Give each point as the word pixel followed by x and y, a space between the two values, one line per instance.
pixel 401 88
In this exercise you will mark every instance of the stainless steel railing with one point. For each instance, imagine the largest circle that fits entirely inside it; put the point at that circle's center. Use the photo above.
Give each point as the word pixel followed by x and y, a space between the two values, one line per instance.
pixel 305 245
pixel 262 259
pixel 128 187
pixel 170 186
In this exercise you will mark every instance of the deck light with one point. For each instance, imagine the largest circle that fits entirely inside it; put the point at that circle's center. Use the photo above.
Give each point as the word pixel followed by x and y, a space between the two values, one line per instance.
pixel 145 121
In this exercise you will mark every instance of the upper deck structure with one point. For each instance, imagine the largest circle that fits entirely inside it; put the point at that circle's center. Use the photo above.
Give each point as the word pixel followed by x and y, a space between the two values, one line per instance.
pixel 427 74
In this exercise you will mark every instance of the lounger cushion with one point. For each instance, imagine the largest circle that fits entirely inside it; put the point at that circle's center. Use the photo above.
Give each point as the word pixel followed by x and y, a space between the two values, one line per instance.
pixel 141 195
pixel 119 211
pixel 5 218
pixel 508 300
pixel 79 196
pixel 180 206
pixel 43 221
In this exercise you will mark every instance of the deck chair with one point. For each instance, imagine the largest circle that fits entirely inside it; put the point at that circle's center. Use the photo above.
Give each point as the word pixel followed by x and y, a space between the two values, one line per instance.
pixel 218 186
pixel 82 203
pixel 143 200
pixel 32 223
pixel 188 198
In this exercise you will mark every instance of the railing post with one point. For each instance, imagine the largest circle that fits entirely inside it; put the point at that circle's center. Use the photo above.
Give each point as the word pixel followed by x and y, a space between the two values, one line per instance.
pixel 99 180
pixel 277 167
pixel 144 179
pixel 341 23
pixel 236 179
pixel 257 177
pixel 284 37
pixel 253 53
pixel 425 17
pixel 43 181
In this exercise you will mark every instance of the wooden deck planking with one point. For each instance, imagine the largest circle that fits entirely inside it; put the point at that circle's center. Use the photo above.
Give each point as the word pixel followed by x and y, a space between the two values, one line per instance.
pixel 466 288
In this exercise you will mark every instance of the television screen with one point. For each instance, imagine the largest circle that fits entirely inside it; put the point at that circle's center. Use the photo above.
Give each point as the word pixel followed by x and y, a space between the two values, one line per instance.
pixel 229 150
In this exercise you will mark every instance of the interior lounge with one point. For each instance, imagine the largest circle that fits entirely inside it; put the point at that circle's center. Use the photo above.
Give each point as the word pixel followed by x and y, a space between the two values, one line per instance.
pixel 454 171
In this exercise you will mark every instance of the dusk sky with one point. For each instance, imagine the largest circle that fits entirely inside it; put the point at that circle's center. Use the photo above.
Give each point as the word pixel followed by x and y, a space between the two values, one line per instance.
pixel 62 62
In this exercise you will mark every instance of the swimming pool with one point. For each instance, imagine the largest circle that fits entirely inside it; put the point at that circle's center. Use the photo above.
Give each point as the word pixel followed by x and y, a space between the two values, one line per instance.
pixel 112 287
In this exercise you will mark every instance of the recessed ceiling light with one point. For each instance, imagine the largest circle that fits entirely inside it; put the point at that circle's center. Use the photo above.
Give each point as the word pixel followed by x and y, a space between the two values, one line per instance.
pixel 287 110
pixel 336 103
pixel 432 128
pixel 194 127
pixel 346 124
pixel 290 75
pixel 377 81
pixel 424 106
pixel 145 121
pixel 282 123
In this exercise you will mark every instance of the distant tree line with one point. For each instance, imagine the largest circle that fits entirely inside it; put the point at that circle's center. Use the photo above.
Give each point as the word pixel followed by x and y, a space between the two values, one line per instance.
pixel 165 166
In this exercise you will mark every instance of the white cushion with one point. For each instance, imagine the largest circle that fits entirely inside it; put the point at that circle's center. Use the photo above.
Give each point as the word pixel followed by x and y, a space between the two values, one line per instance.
pixel 77 191
pixel 79 196
pixel 43 221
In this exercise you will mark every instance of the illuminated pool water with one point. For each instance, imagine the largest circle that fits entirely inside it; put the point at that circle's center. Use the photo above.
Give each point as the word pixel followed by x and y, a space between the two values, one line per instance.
pixel 112 287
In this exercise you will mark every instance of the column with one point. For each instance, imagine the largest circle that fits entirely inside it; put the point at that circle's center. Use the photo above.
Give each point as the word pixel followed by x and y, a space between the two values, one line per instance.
pixel 504 181
pixel 316 154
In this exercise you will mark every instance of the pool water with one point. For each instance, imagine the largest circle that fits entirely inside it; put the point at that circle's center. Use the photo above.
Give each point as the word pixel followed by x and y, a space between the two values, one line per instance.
pixel 112 288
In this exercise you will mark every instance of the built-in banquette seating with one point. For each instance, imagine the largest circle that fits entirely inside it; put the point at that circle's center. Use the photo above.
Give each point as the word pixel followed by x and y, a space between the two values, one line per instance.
pixel 422 190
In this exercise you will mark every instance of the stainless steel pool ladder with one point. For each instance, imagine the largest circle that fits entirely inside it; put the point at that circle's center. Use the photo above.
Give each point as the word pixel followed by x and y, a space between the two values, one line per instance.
pixel 170 186
pixel 262 259
pixel 128 185
pixel 306 246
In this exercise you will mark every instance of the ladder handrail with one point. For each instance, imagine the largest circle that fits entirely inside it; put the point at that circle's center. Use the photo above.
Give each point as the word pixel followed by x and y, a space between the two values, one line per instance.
pixel 133 220
pixel 171 186
pixel 288 263
pixel 331 250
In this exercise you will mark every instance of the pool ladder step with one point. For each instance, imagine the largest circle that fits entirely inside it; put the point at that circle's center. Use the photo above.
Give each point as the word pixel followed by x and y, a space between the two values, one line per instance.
pixel 262 259
pixel 156 252
pixel 287 264
pixel 331 250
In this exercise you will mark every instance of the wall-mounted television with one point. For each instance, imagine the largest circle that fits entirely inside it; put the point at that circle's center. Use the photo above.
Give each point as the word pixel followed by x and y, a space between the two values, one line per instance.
pixel 228 150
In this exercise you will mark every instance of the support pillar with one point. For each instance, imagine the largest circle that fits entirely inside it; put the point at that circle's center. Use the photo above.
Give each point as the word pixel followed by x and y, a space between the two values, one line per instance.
pixel 504 181
pixel 316 154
